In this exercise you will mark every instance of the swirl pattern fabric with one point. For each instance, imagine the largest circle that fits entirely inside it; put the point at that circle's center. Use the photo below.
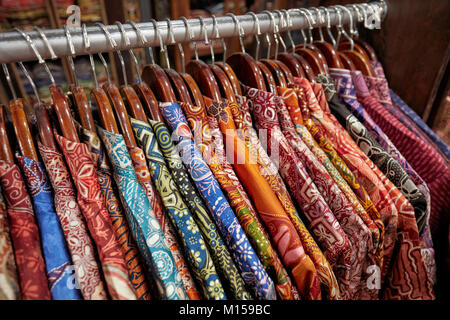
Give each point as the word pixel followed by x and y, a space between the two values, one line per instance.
pixel 78 239
pixel 386 163
pixel 232 281
pixel 9 282
pixel 321 220
pixel 244 256
pixel 58 262
pixel 24 235
pixel 144 177
pixel 243 120
pixel 188 230
pixel 355 229
pixel 116 214
pixel 92 205
pixel 246 215
pixel 401 281
pixel 143 223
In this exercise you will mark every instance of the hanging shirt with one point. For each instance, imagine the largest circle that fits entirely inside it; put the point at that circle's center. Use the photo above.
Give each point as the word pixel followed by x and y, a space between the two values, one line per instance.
pixel 321 220
pixel 116 213
pixel 245 257
pixel 24 235
pixel 388 165
pixel 250 174
pixel 144 225
pixel 144 177
pixel 355 229
pixel 260 239
pixel 243 121
pixel 232 281
pixel 58 263
pixel 72 222
pixel 397 285
pixel 9 284
pixel 92 205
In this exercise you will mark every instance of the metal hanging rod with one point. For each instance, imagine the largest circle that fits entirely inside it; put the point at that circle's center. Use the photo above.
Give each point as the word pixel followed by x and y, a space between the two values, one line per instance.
pixel 14 48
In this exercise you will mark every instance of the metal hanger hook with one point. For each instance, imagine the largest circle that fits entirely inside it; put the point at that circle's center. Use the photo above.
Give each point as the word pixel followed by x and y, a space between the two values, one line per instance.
pixel 350 39
pixel 190 36
pixel 113 44
pixel 204 30
pixel 241 32
pixel 310 21
pixel 274 28
pixel 330 34
pixel 37 54
pixel 72 54
pixel 289 25
pixel 321 20
pixel 222 40
pixel 162 47
pixel 257 34
pixel 9 80
pixel 143 40
pixel 130 51
pixel 87 46
pixel 282 25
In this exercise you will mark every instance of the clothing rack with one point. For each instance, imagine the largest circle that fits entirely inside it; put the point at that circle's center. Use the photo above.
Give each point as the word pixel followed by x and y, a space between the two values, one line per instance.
pixel 14 48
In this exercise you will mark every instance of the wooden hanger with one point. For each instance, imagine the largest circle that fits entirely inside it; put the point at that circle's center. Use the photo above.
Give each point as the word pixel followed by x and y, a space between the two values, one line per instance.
pixel 225 84
pixel 194 90
pixel 268 77
pixel 5 148
pixel 44 126
pixel 346 62
pixel 22 130
pixel 245 67
pixel 276 72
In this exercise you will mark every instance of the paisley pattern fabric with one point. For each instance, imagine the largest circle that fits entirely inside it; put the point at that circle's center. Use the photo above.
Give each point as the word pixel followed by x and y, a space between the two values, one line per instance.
pixel 92 205
pixel 246 214
pixel 144 177
pixel 244 256
pixel 24 235
pixel 116 213
pixel 194 244
pixel 69 214
pixel 401 105
pixel 143 223
pixel 58 263
pixel 243 120
pixel 322 222
pixel 406 276
pixel 232 281
pixel 9 282
pixel 349 276
pixel 381 158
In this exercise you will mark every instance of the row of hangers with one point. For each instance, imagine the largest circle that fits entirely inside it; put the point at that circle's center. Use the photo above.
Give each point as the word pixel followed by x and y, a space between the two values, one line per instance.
pixel 218 80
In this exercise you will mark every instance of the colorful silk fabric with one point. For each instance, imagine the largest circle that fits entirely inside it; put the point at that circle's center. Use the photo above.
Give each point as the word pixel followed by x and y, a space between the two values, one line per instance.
pixel 77 236
pixel 372 148
pixel 58 263
pixel 143 223
pixel 144 177
pixel 24 235
pixel 322 222
pixel 231 280
pixel 245 258
pixel 357 232
pixel 9 282
pixel 188 231
pixel 92 205
pixel 243 121
pixel 116 214
pixel 407 263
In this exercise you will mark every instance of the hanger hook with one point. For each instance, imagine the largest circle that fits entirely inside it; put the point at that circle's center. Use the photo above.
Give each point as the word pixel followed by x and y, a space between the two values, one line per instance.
pixel 53 56
pixel 72 54
pixel 36 53
pixel 143 40
pixel 282 25
pixel 257 34
pixel 269 42
pixel 350 39
pixel 87 46
pixel 359 18
pixel 330 34
pixel 130 51
pixel 222 40
pixel 216 37
pixel 204 29
pixel 8 79
pixel 171 36
pixel 309 20
pixel 320 20
pixel 241 32
pixel 30 80
pixel 190 36
pixel 113 44
pixel 289 25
